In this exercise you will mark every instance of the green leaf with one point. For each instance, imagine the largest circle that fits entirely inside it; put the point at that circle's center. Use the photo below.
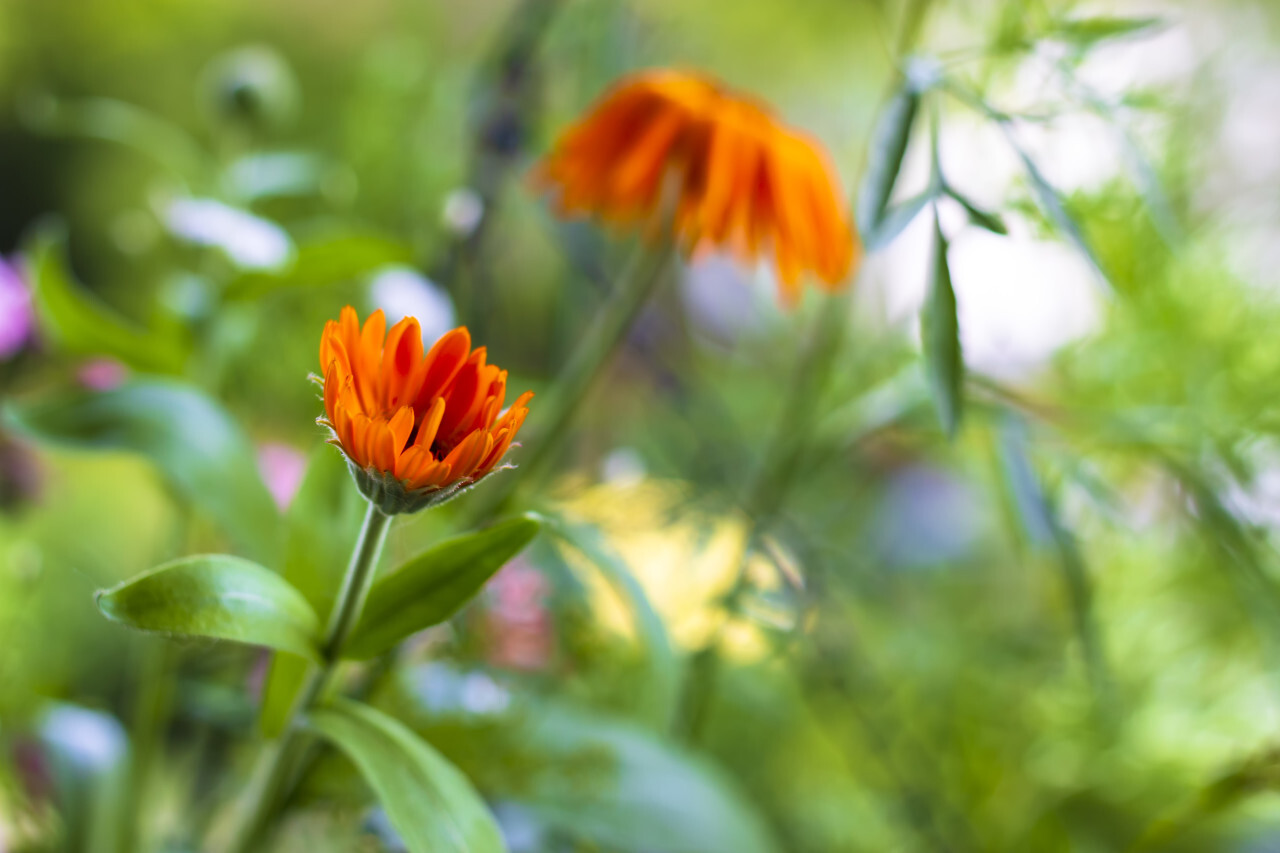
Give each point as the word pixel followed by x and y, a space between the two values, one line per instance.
pixel 430 588
pixel 123 123
pixel 1051 204
pixel 594 777
pixel 275 174
pixel 285 676
pixel 322 523
pixel 896 219
pixel 940 336
pixel 1085 32
pixel 1043 527
pixel 888 146
pixel 82 324
pixel 189 437
pixel 430 803
pixel 982 218
pixel 331 259
pixel 219 597
pixel 646 794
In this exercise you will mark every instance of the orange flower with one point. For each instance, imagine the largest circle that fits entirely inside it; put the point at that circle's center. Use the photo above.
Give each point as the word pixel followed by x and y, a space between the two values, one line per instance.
pixel 738 179
pixel 415 429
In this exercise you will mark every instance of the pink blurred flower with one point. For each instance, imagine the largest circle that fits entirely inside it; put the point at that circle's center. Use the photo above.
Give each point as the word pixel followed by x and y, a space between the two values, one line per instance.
pixel 33 769
pixel 518 620
pixel 282 468
pixel 17 317
pixel 102 374
pixel 21 476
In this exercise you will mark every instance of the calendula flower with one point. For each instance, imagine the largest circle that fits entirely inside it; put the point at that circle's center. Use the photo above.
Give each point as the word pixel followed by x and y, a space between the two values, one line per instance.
pixel 416 429
pixel 720 165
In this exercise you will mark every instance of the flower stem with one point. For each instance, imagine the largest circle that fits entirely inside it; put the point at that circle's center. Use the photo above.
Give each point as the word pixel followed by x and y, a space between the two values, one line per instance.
pixel 356 583
pixel 765 493
pixel 275 770
pixel 643 273
pixel 767 488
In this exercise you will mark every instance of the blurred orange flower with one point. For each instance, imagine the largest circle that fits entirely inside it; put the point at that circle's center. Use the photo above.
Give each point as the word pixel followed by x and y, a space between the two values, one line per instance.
pixel 730 174
pixel 416 429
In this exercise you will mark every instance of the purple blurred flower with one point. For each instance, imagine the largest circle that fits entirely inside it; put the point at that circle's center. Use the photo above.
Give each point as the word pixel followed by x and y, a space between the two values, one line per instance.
pixel 102 374
pixel 282 468
pixel 17 318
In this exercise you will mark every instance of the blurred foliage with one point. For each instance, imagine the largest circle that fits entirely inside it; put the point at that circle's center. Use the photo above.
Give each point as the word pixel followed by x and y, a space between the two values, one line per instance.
pixel 745 625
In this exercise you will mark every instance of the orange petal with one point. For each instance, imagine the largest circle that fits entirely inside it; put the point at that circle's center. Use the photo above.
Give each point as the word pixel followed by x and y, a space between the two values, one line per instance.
pixel 366 360
pixel 464 398
pixel 412 463
pixel 349 328
pixel 401 427
pixel 430 425
pixel 330 390
pixel 442 364
pixel 400 357
pixel 515 411
pixel 467 455
pixel 382 444
pixel 636 177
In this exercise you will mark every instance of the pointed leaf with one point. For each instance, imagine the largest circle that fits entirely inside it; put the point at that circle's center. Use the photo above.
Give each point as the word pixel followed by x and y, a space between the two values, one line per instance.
pixel 1043 528
pixel 940 336
pixel 430 588
pixel 219 597
pixel 82 324
pixel 982 218
pixel 430 803
pixel 1051 204
pixel 189 437
pixel 888 146
pixel 896 219
pixel 1085 32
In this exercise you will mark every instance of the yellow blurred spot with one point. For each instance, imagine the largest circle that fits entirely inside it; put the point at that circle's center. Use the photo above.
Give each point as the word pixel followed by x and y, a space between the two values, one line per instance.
pixel 686 560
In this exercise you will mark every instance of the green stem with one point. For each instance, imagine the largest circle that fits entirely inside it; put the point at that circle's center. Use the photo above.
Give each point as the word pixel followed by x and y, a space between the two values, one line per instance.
pixel 765 492
pixel 274 771
pixel 595 352
pixel 356 582
pixel 766 489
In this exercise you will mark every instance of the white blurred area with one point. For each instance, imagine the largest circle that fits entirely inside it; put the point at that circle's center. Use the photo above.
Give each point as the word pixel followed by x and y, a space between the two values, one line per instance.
pixel 1022 298
pixel 249 241
pixel 404 292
